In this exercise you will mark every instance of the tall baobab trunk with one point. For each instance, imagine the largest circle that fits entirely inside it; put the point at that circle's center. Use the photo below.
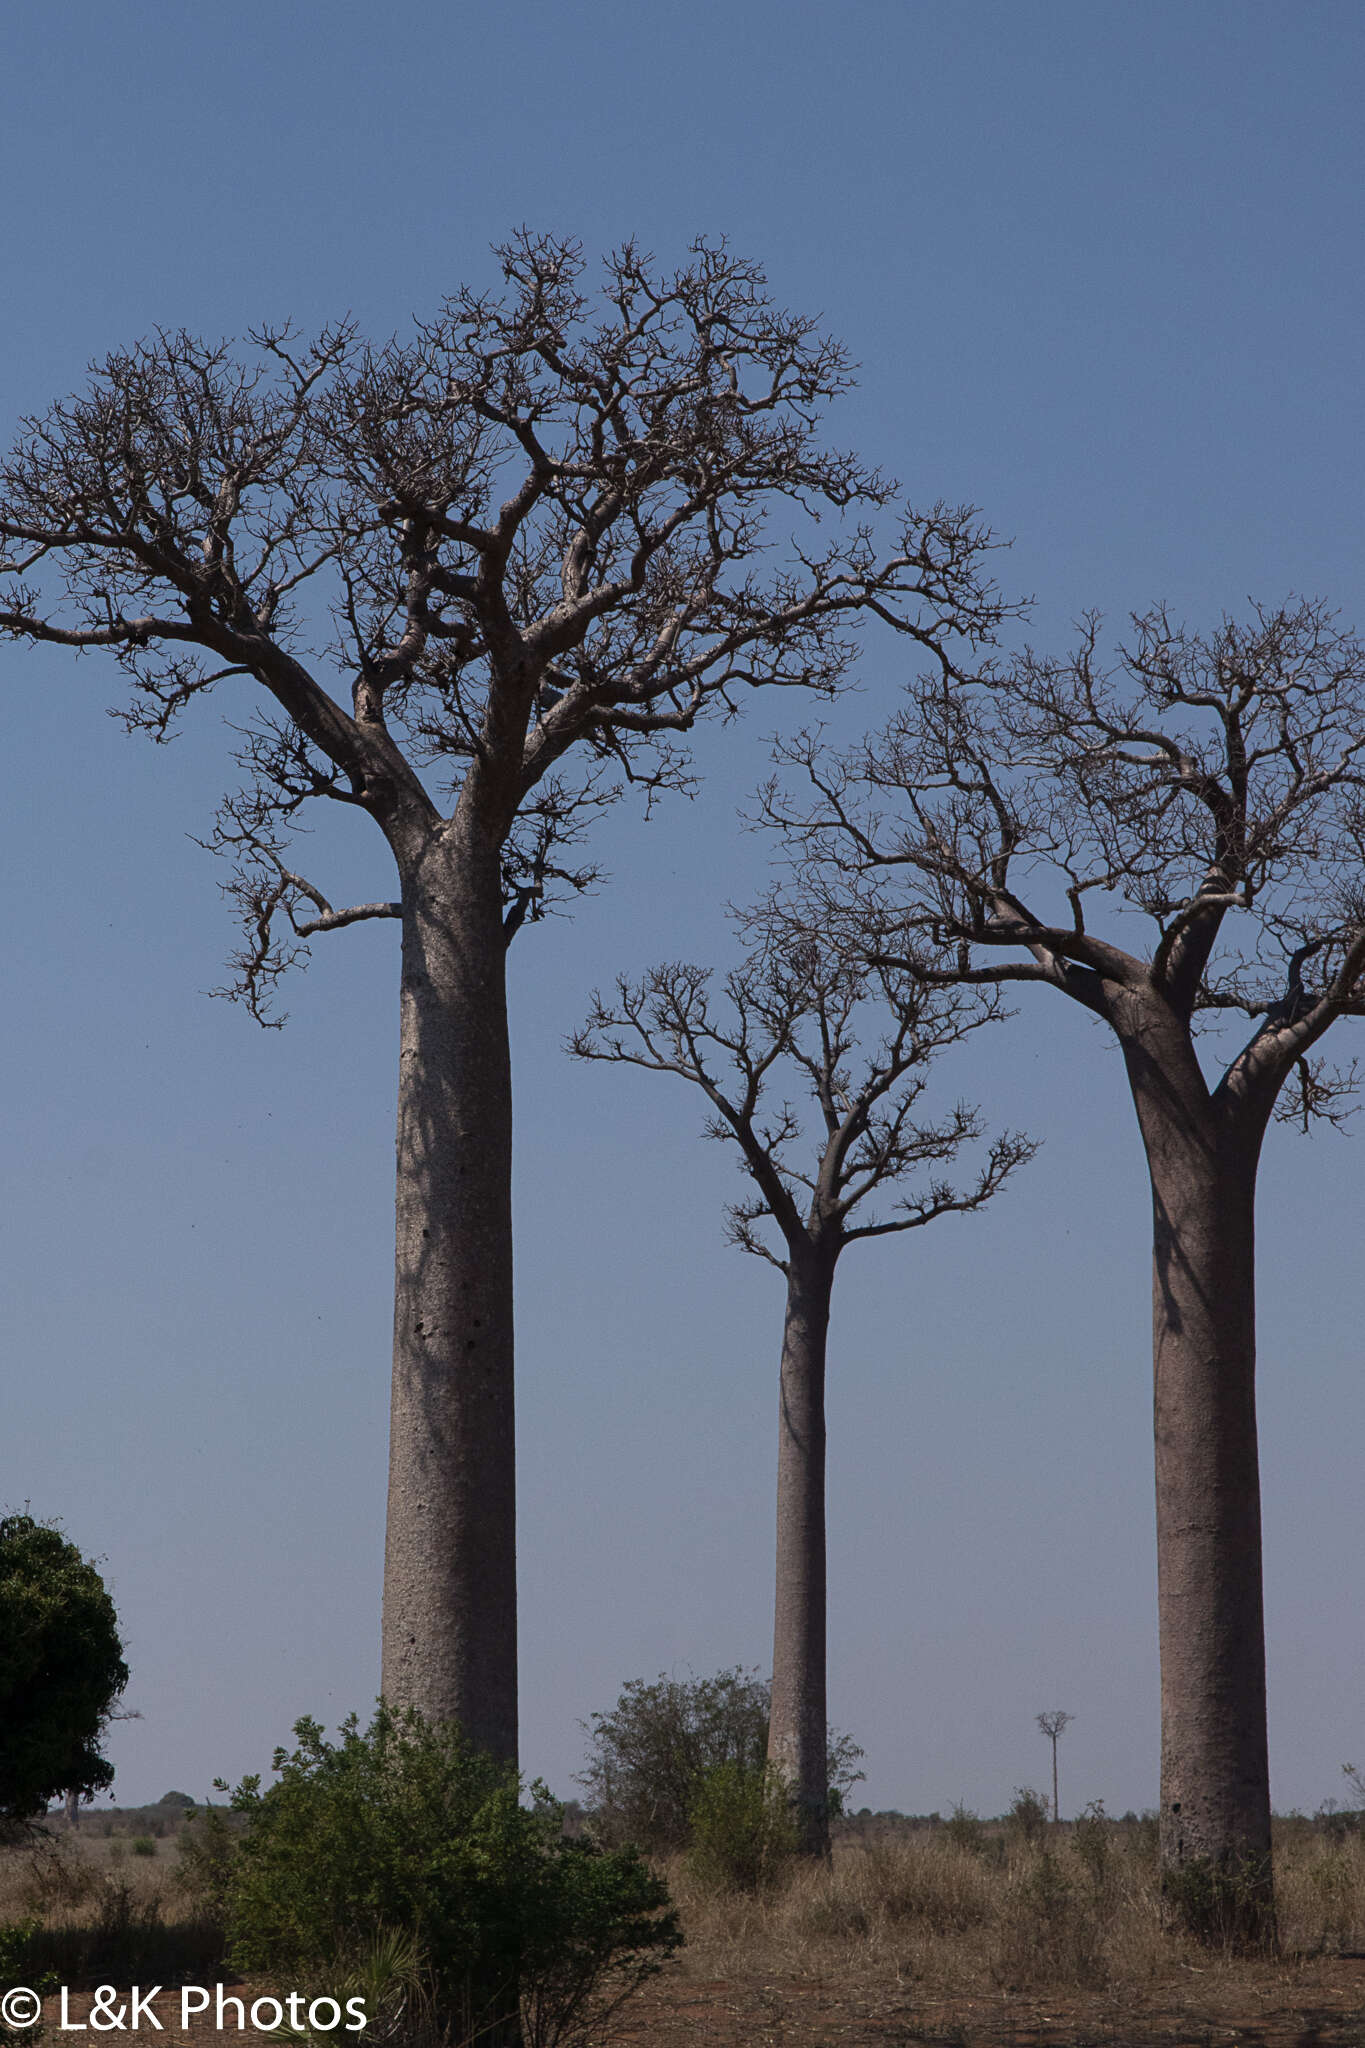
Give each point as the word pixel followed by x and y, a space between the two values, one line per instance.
pixel 450 1631
pixel 797 1728
pixel 1215 1780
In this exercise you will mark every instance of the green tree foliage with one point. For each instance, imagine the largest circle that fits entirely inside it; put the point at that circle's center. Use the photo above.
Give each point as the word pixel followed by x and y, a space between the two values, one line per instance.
pixel 743 1830
pixel 61 1669
pixel 649 1757
pixel 405 1828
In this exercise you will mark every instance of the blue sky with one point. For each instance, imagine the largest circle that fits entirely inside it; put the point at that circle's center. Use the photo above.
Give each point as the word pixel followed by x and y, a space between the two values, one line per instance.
pixel 1102 269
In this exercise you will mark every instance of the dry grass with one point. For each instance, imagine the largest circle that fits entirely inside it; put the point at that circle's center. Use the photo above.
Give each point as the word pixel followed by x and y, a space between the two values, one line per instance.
pixel 909 1936
pixel 1073 1910
pixel 106 1914
pixel 930 1911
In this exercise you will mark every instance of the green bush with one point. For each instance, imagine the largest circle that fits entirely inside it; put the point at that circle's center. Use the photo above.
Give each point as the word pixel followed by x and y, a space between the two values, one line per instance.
pixel 1029 1815
pixel 142 1845
pixel 205 1847
pixel 404 1829
pixel 16 1937
pixel 964 1830
pixel 742 1832
pixel 648 1757
pixel 1224 1905
pixel 17 1967
pixel 1092 1837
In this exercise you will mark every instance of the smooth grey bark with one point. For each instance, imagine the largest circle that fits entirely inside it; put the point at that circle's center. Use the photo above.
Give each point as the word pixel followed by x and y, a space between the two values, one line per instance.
pixel 797 1726
pixel 1202 1154
pixel 449 1630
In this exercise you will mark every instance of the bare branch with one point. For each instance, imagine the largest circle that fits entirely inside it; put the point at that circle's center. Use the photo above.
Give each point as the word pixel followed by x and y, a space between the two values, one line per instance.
pixel 859 1041
pixel 540 527
pixel 334 920
pixel 1213 785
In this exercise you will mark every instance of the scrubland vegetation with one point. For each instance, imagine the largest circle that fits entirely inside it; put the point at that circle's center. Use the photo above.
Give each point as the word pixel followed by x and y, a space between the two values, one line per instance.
pixel 675 1904
pixel 952 1929
pixel 969 1904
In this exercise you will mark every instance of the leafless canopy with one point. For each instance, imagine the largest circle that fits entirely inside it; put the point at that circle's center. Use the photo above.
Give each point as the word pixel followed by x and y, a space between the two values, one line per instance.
pixel 534 529
pixel 858 1044
pixel 1213 785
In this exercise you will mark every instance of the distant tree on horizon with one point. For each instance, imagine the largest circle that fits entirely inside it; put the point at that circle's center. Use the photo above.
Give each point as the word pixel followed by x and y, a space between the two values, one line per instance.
pixel 1052 1725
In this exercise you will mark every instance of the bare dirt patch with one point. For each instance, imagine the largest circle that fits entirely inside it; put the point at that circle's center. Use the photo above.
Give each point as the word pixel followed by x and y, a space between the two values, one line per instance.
pixel 1317 2005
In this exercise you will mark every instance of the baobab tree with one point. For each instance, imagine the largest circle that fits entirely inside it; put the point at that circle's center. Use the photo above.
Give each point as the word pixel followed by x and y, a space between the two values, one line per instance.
pixel 1214 785
pixel 475 583
pixel 1052 1725
pixel 858 1044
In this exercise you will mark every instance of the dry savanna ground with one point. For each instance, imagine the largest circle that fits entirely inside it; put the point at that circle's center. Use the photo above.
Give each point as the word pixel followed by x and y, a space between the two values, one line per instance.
pixel 912 1935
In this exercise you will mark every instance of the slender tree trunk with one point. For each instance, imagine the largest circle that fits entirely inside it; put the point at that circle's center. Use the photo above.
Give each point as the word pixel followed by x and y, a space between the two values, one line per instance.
pixel 1215 1781
pixel 797 1729
pixel 450 1627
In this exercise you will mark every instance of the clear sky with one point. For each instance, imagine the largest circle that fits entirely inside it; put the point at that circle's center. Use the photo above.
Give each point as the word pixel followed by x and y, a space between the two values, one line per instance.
pixel 1102 268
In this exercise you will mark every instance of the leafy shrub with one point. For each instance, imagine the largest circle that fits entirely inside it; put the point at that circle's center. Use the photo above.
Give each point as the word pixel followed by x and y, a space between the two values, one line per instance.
pixel 205 1847
pixel 15 1939
pixel 648 1757
pixel 742 1831
pixel 388 1976
pixel 964 1830
pixel 1224 1905
pixel 405 1829
pixel 1092 1839
pixel 1029 1815
pixel 142 1845
pixel 16 1967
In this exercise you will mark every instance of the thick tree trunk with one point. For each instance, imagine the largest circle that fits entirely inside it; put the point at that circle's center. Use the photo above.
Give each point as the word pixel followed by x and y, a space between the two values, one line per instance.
pixel 450 1627
pixel 797 1728
pixel 1215 1782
